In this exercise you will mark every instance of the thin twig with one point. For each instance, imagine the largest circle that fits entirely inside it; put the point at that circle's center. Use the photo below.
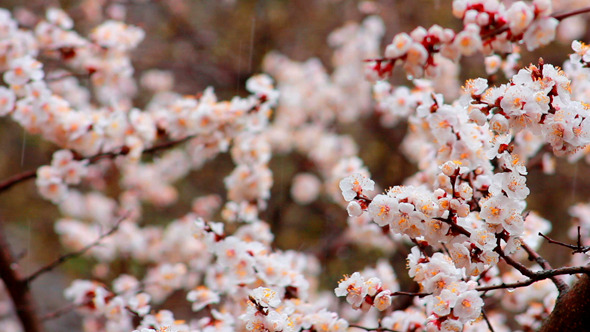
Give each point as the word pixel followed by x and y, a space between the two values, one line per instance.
pixel 409 294
pixel 378 329
pixel 507 286
pixel 404 302
pixel 59 312
pixel 62 259
pixel 485 317
pixel 576 249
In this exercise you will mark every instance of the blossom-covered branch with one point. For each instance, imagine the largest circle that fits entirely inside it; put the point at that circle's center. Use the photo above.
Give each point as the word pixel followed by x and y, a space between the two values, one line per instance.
pixel 488 27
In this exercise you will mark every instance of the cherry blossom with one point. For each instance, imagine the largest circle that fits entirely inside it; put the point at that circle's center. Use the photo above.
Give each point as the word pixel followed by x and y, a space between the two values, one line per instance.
pixel 462 213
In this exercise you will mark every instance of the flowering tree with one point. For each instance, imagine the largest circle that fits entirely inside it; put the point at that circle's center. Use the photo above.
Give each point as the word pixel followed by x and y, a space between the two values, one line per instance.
pixel 461 220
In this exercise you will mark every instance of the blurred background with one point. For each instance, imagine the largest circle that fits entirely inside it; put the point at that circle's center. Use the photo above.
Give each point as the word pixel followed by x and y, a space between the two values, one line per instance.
pixel 221 43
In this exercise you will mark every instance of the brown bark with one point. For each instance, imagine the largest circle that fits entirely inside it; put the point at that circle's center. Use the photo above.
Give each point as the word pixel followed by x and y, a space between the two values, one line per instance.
pixel 18 288
pixel 572 310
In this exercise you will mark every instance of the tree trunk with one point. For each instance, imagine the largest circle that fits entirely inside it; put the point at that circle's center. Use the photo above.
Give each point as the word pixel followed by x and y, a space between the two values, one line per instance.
pixel 572 310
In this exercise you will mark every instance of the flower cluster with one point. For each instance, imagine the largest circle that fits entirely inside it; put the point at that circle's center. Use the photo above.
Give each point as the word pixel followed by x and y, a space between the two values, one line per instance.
pixel 472 206
pixel 461 214
pixel 53 180
pixel 453 302
pixel 488 27
pixel 118 307
pixel 362 294
pixel 537 99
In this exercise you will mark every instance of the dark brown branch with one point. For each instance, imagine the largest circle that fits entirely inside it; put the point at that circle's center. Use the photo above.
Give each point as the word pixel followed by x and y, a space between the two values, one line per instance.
pixel 409 294
pixel 538 276
pixel 378 329
pixel 507 286
pixel 17 288
pixel 11 181
pixel 520 267
pixel 485 317
pixel 575 249
pixel 562 287
pixel 64 258
pixel 403 302
pixel 28 175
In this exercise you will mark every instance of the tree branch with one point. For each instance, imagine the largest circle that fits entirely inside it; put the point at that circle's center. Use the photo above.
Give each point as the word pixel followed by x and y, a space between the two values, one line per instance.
pixel 18 178
pixel 28 175
pixel 564 15
pixel 378 329
pixel 409 294
pixel 538 276
pixel 507 286
pixel 510 261
pixel 485 317
pixel 59 312
pixel 562 287
pixel 64 258
pixel 576 249
pixel 17 287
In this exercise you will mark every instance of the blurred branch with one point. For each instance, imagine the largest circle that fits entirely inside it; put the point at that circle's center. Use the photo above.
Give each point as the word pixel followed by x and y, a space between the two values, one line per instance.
pixel 485 317
pixel 17 287
pixel 59 312
pixel 64 258
pixel 18 178
pixel 66 75
pixel 564 15
pixel 28 175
